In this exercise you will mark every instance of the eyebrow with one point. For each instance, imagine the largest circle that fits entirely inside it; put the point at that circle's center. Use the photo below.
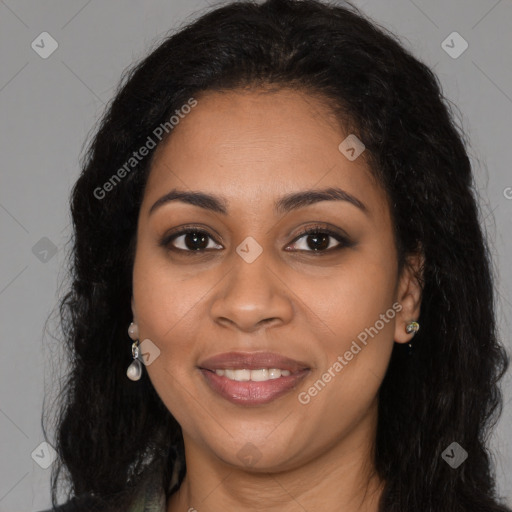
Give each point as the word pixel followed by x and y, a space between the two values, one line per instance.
pixel 285 204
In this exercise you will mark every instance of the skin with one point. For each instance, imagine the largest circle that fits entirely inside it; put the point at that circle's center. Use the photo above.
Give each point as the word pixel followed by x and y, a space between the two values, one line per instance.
pixel 252 147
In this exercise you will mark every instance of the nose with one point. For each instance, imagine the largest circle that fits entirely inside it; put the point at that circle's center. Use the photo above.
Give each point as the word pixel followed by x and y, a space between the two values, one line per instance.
pixel 253 296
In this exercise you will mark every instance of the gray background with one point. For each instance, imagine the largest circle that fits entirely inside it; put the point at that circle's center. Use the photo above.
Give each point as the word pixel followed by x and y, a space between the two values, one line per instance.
pixel 48 108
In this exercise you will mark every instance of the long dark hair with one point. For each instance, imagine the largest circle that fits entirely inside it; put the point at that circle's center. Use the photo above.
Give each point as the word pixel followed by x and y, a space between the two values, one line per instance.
pixel 111 432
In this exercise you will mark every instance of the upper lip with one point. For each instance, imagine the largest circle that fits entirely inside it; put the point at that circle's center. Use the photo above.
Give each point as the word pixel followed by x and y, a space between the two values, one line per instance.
pixel 252 361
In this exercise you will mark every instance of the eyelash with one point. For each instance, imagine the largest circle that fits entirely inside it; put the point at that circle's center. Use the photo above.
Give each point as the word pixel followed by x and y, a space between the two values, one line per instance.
pixel 344 242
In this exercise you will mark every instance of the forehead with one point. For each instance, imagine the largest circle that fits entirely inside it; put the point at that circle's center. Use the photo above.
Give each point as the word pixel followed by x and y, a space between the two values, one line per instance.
pixel 256 143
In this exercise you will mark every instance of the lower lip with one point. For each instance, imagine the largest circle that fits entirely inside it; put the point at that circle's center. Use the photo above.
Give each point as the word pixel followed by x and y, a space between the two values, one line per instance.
pixel 251 392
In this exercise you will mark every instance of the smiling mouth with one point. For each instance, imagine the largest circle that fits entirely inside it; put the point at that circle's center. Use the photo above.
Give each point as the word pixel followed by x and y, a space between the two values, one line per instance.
pixel 237 389
pixel 252 378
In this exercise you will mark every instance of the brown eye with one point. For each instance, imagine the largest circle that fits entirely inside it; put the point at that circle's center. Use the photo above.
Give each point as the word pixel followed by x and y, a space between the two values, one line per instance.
pixel 320 240
pixel 189 240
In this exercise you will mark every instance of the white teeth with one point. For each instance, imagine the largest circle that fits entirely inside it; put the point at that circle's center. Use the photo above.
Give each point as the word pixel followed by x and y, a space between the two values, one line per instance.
pixel 260 375
pixel 274 373
pixel 242 375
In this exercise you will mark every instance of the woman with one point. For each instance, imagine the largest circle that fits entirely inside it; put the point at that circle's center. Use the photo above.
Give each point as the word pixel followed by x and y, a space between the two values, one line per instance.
pixel 279 209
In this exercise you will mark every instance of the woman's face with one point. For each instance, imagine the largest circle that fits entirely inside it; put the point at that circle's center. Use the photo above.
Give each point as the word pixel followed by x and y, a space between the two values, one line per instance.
pixel 247 281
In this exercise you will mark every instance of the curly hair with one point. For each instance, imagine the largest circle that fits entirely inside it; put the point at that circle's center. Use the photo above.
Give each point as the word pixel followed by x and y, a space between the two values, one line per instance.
pixel 112 433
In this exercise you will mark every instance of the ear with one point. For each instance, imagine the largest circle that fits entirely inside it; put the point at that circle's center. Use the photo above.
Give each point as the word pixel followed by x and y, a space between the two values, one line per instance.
pixel 409 293
pixel 133 310
pixel 133 329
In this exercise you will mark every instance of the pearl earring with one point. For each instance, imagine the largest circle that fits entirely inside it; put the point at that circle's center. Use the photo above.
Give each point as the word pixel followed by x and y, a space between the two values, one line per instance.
pixel 134 371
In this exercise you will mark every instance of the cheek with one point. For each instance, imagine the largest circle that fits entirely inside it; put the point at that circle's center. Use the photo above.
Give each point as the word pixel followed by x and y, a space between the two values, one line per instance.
pixel 352 309
pixel 353 296
pixel 165 304
pixel 355 351
pixel 165 314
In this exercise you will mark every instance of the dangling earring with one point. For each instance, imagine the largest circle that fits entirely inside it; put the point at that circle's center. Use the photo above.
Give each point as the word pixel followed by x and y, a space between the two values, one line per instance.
pixel 414 328
pixel 134 371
